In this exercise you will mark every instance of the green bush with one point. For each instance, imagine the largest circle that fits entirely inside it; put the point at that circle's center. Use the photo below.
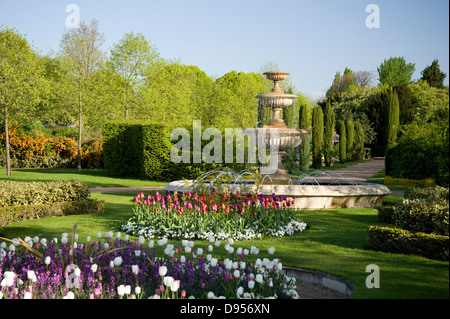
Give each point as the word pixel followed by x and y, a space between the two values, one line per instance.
pixel 22 193
pixel 424 210
pixel 11 214
pixel 427 182
pixel 135 150
pixel 396 240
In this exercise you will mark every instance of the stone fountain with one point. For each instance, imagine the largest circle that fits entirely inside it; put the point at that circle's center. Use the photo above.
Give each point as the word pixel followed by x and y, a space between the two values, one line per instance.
pixel 317 190
pixel 277 136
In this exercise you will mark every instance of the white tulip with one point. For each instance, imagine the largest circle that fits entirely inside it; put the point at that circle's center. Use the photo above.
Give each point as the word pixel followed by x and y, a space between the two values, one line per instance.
pixel 211 295
pixel 271 250
pixel 88 239
pixel 70 295
pixel 199 251
pixel 31 275
pixel 240 291
pixel 236 274
pixel 48 260
pixel 77 272
pixel 127 289
pixel 175 285
pixel 106 246
pixel 230 241
pixel 137 290
pixel 217 243
pixel 121 290
pixel 94 267
pixel 118 261
pixel 137 253
pixel 168 281
pixel 259 278
pixel 211 239
pixel 251 284
pixel 28 295
pixel 135 269
pixel 141 240
pixel 99 235
pixel 162 271
pixel 214 262
pixel 151 243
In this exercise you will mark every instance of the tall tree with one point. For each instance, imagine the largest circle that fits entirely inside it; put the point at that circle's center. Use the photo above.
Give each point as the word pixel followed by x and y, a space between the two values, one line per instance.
pixel 392 114
pixel 329 121
pixel 359 141
pixel 305 147
pixel 395 70
pixel 130 58
pixel 317 137
pixel 350 130
pixel 82 46
pixel 21 80
pixel 342 142
pixel 433 75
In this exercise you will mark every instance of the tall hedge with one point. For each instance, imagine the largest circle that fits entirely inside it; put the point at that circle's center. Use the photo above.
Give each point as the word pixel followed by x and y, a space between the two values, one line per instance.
pixel 329 121
pixel 135 150
pixel 359 141
pixel 392 114
pixel 317 137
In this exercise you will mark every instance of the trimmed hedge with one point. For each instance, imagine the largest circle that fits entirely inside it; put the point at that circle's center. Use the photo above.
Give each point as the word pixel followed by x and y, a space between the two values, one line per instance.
pixel 396 240
pixel 427 182
pixel 22 193
pixel 135 150
pixel 11 214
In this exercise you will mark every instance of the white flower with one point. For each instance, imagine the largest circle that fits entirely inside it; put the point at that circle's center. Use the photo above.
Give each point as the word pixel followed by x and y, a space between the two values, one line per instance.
pixel 47 260
pixel 106 246
pixel 162 271
pixel 151 243
pixel 137 253
pixel 210 248
pixel 121 290
pixel 271 250
pixel 230 241
pixel 28 295
pixel 137 290
pixel 126 237
pixel 191 244
pixel 70 295
pixel 118 235
pixel 251 284
pixel 168 281
pixel 118 261
pixel 31 275
pixel 111 264
pixel 240 291
pixel 259 278
pixel 236 274
pixel 8 279
pixel 99 235
pixel 230 250
pixel 175 285
pixel 44 241
pixel 141 240
pixel 88 239
pixel 246 252
pixel 187 249
pixel 211 239
pixel 214 262
pixel 199 251
pixel 109 234
pixel 128 289
pixel 217 243
pixel 211 295
pixel 77 272
pixel 94 267
pixel 135 269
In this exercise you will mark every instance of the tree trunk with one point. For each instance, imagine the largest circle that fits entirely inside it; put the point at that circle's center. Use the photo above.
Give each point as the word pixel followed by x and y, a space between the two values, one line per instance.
pixel 8 159
pixel 79 131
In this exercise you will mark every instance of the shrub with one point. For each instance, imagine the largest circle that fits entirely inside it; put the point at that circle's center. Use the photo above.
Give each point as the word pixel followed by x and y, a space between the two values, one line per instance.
pixel 22 193
pixel 396 240
pixel 134 150
pixel 424 210
pixel 317 137
pixel 11 214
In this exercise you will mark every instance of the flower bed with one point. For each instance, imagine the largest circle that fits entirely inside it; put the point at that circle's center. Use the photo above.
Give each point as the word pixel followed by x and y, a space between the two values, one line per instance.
pixel 193 216
pixel 35 268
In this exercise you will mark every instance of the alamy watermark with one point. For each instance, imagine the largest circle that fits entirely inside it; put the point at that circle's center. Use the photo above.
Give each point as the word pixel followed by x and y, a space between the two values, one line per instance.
pixel 373 19
pixel 213 151
pixel 373 280
pixel 73 19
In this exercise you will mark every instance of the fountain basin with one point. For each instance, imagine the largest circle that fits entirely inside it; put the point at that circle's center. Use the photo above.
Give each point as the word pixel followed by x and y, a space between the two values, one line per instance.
pixel 357 195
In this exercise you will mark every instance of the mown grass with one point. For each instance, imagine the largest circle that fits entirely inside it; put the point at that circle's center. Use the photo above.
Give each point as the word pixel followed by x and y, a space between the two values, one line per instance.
pixel 335 243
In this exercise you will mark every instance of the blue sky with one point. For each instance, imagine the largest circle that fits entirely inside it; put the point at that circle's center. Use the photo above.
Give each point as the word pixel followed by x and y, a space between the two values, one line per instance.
pixel 310 39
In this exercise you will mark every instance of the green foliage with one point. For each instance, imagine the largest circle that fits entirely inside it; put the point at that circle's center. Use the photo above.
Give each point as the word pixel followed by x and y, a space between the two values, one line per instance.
pixel 392 113
pixel 24 193
pixel 359 141
pixel 424 210
pixel 433 75
pixel 427 182
pixel 329 121
pixel 342 142
pixel 395 70
pixel 11 214
pixel 317 137
pixel 134 150
pixel 350 145
pixel 396 240
pixel 422 151
pixel 305 152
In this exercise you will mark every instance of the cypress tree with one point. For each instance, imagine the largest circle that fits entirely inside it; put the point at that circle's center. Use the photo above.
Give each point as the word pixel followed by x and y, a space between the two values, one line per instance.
pixel 305 147
pixel 359 141
pixel 317 136
pixel 350 128
pixel 342 142
pixel 329 120
pixel 392 117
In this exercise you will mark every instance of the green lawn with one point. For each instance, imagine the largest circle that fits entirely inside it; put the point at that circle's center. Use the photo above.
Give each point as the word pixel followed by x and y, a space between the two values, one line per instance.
pixel 91 177
pixel 335 243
